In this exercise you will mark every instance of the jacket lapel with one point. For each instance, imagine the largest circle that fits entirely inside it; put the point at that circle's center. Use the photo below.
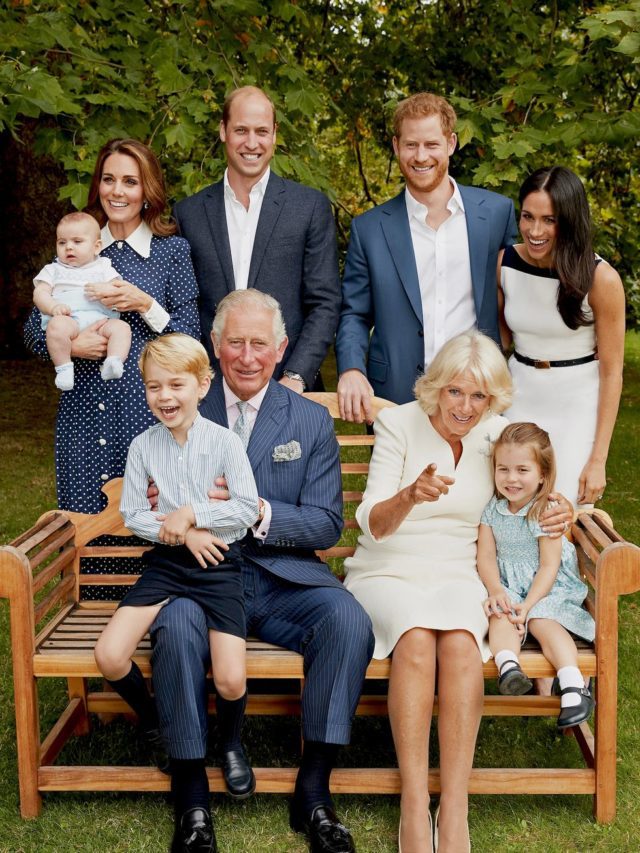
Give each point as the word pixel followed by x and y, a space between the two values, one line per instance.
pixel 267 429
pixel 217 219
pixel 395 225
pixel 478 236
pixel 272 205
pixel 213 406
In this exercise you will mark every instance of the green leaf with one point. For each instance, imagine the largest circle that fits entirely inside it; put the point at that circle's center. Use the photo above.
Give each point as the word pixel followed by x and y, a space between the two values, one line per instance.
pixel 171 79
pixel 182 134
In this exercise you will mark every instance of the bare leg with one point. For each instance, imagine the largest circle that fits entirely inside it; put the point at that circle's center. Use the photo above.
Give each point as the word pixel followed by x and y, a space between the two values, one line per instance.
pixel 460 697
pixel 228 664
pixel 118 335
pixel 555 641
pixel 61 330
pixel 119 640
pixel 503 635
pixel 411 693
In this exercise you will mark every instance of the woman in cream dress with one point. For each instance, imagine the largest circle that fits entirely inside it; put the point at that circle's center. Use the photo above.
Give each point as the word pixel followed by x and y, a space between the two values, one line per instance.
pixel 414 572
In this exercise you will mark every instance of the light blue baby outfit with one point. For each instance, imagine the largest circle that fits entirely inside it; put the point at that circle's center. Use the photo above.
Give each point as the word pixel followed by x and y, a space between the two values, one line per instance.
pixel 518 560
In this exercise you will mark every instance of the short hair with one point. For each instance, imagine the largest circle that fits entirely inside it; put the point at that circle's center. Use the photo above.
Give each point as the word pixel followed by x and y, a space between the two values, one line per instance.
pixel 533 436
pixel 573 257
pixel 423 105
pixel 82 219
pixel 179 353
pixel 470 352
pixel 152 185
pixel 245 300
pixel 239 93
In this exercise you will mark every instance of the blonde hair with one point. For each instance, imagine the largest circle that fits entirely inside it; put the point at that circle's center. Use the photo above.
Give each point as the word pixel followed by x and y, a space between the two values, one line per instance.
pixel 82 218
pixel 179 353
pixel 537 439
pixel 473 353
pixel 245 300
pixel 423 105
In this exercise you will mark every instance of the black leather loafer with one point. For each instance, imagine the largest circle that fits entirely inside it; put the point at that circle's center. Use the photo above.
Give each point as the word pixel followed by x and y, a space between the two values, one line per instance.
pixel 194 833
pixel 238 775
pixel 576 714
pixel 323 829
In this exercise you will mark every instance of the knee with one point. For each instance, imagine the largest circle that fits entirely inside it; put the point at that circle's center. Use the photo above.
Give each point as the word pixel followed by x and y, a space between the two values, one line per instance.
pixel 416 648
pixel 180 629
pixel 459 649
pixel 231 683
pixel 349 627
pixel 111 663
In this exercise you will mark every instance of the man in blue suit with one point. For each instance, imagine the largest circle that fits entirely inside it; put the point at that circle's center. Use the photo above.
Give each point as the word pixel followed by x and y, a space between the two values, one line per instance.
pixel 420 268
pixel 256 229
pixel 291 597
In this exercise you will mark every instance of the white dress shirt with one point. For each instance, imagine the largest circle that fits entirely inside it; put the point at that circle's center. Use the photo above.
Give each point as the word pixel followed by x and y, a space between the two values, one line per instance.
pixel 444 272
pixel 242 225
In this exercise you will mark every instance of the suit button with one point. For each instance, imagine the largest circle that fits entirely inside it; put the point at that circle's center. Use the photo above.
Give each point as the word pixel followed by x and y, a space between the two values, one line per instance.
pixel 420 333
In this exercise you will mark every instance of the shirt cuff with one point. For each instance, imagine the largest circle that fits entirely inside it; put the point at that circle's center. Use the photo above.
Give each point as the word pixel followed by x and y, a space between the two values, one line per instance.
pixel 156 317
pixel 261 528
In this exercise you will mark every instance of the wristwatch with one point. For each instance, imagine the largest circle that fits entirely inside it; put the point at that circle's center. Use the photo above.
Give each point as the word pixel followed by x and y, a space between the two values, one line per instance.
pixel 291 375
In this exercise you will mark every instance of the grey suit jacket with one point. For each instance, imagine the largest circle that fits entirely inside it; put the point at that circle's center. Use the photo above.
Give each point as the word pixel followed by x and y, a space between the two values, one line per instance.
pixel 294 260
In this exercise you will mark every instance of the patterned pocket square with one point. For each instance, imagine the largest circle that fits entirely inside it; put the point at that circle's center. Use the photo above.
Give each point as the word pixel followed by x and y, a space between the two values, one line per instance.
pixel 287 452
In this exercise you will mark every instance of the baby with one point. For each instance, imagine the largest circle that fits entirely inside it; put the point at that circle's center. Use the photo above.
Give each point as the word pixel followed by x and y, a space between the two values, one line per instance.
pixel 66 311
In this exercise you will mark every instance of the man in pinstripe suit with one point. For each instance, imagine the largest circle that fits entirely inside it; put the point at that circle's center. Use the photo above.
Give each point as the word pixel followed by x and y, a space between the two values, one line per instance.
pixel 291 597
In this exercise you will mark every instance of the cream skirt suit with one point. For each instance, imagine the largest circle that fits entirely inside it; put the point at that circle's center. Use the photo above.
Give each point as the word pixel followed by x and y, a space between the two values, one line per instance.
pixel 424 575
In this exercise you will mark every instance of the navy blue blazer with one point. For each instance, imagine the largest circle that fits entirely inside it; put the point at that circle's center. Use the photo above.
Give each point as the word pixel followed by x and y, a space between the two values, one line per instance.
pixel 381 291
pixel 294 260
pixel 305 493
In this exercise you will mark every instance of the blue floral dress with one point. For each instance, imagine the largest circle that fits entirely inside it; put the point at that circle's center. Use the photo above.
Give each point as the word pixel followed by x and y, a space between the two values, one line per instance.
pixel 97 420
pixel 518 556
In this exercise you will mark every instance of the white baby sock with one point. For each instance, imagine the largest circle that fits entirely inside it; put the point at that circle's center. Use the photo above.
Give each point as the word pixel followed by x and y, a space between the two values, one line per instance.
pixel 570 676
pixel 112 368
pixel 507 659
pixel 64 376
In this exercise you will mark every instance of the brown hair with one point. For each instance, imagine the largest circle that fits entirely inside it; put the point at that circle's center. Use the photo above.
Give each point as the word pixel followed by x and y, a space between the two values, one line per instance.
pixel 152 185
pixel 537 439
pixel 423 105
pixel 177 352
pixel 239 93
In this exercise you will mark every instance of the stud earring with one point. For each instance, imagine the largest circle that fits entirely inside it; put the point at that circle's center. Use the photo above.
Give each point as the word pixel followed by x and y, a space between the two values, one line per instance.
pixel 146 205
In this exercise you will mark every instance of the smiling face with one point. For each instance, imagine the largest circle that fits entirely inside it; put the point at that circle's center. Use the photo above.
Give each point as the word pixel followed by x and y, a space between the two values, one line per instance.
pixel 249 138
pixel 423 153
pixel 247 350
pixel 77 242
pixel 539 228
pixel 173 397
pixel 518 476
pixel 461 405
pixel 121 194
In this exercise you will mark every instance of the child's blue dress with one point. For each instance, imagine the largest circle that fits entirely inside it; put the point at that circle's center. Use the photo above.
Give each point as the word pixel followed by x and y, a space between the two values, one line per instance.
pixel 518 561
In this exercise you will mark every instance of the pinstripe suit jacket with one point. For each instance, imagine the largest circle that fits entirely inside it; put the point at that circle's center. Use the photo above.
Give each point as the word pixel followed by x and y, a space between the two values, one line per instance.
pixel 305 494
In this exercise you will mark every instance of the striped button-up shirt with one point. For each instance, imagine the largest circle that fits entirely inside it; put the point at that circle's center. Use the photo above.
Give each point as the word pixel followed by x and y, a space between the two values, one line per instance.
pixel 184 475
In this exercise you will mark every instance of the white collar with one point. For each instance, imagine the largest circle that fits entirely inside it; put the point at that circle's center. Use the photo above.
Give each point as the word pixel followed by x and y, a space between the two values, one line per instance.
pixel 419 210
pixel 139 240
pixel 259 188
pixel 230 399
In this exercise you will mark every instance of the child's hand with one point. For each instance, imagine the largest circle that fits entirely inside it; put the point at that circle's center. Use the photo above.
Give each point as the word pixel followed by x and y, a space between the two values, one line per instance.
pixel 205 547
pixel 60 308
pixel 518 615
pixel 497 604
pixel 175 525
pixel 220 492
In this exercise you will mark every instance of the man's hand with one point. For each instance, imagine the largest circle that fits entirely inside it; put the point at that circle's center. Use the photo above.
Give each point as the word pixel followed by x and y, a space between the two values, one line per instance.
pixel 293 384
pixel 175 525
pixel 60 308
pixel 557 517
pixel 354 397
pixel 430 486
pixel 205 547
pixel 90 343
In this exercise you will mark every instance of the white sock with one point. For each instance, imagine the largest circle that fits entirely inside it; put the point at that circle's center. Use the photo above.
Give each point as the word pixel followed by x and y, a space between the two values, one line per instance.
pixel 64 376
pixel 507 659
pixel 112 368
pixel 570 676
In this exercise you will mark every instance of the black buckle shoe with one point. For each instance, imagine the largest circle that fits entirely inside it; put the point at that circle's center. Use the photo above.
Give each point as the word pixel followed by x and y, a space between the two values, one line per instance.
pixel 323 829
pixel 157 749
pixel 514 682
pixel 576 714
pixel 238 775
pixel 194 833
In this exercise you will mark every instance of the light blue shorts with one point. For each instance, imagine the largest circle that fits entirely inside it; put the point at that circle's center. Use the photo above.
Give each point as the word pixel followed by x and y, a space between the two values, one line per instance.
pixel 84 311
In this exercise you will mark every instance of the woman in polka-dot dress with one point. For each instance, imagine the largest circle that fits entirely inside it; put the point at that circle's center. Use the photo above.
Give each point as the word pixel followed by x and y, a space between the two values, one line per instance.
pixel 158 294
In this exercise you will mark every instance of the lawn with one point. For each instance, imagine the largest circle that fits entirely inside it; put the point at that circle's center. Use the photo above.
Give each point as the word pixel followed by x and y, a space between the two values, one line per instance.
pixel 121 822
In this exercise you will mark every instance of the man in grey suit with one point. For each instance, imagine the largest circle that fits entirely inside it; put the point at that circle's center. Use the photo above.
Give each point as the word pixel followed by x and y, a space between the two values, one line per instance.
pixel 256 229
pixel 421 268
pixel 291 597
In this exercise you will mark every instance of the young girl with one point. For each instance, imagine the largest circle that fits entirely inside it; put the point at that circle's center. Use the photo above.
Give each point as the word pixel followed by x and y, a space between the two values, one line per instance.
pixel 532 580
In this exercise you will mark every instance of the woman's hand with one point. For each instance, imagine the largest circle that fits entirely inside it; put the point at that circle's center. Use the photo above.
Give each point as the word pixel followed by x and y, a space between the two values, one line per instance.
pixel 497 604
pixel 120 295
pixel 430 486
pixel 90 343
pixel 557 517
pixel 176 525
pixel 592 482
pixel 205 547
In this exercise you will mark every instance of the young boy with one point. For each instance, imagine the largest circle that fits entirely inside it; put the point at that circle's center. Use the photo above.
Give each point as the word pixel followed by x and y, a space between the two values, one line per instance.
pixel 184 454
pixel 66 311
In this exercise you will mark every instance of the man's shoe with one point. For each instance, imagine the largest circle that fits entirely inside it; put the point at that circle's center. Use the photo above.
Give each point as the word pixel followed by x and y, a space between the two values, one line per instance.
pixel 576 714
pixel 238 775
pixel 157 749
pixel 194 833
pixel 323 829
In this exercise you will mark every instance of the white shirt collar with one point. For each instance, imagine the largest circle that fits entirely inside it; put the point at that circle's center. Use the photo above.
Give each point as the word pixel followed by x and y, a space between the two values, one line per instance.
pixel 139 240
pixel 420 211
pixel 230 399
pixel 259 188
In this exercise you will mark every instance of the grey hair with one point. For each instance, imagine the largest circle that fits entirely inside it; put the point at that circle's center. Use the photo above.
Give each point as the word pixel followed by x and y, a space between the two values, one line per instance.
pixel 244 300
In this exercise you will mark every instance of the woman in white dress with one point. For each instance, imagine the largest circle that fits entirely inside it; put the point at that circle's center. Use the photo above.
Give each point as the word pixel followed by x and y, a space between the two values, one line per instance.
pixel 564 309
pixel 414 572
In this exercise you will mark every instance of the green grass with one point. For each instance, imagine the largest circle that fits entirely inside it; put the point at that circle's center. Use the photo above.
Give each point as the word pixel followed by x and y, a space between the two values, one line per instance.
pixel 122 822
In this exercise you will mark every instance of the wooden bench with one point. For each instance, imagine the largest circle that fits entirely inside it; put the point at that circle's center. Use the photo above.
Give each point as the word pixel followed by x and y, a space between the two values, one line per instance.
pixel 53 633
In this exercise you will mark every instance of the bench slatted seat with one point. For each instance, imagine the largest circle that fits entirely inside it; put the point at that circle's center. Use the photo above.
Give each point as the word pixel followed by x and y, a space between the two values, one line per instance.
pixel 53 634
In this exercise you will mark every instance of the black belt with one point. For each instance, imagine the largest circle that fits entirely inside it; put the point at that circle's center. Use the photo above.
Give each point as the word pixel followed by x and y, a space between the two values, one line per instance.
pixel 541 364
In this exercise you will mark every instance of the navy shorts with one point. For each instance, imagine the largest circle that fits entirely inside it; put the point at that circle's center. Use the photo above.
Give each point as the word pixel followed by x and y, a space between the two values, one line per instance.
pixel 173 572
